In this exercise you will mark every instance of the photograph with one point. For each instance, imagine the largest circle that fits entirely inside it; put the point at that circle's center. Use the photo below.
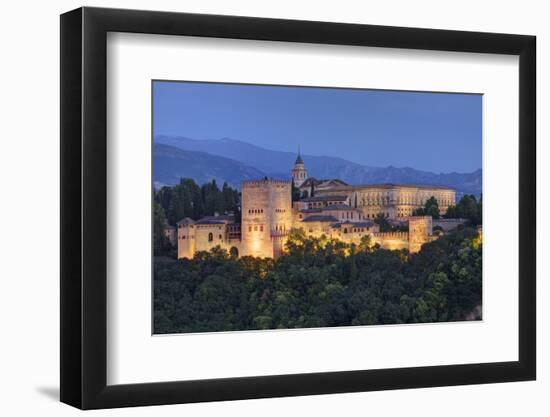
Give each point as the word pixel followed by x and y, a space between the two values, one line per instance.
pixel 275 208
pixel 290 207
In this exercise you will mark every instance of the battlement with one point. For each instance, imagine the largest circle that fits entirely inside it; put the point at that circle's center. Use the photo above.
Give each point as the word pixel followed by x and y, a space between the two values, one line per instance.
pixel 394 235
pixel 264 181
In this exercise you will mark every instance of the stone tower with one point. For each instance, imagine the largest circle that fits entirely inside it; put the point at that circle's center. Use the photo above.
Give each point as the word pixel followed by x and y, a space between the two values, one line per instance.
pixel 266 217
pixel 299 172
pixel 186 238
pixel 420 232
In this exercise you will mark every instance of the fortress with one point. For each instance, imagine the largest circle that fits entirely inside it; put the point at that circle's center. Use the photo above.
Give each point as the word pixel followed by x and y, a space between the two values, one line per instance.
pixel 327 207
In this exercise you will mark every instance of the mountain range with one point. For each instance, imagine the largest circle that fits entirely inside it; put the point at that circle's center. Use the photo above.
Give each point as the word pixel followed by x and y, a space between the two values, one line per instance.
pixel 170 164
pixel 233 160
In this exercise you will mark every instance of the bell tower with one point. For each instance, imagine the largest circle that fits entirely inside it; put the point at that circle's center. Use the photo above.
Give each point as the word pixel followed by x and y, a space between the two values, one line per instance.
pixel 299 172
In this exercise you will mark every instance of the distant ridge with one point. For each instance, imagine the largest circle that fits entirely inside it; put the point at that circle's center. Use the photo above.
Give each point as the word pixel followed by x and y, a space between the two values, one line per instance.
pixel 277 164
pixel 170 164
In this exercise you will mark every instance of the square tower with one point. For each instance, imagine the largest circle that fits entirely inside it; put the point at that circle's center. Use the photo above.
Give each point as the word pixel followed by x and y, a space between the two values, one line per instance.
pixel 420 232
pixel 266 208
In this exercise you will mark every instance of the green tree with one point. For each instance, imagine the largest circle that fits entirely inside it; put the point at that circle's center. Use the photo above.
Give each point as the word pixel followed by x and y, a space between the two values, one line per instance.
pixel 431 208
pixel 366 244
pixel 320 282
pixel 467 208
pixel 230 199
pixel 382 221
pixel 161 244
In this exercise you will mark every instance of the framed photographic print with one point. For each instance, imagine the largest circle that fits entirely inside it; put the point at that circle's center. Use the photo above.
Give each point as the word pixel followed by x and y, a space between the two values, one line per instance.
pixel 257 208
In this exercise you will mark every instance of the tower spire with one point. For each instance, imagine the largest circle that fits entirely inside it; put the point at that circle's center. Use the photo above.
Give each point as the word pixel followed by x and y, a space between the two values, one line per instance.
pixel 299 157
pixel 299 173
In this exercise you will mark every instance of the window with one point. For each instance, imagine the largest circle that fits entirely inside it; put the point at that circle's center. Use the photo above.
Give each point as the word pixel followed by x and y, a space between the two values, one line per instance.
pixel 261 228
pixel 255 228
pixel 220 236
pixel 249 228
pixel 345 229
pixel 210 237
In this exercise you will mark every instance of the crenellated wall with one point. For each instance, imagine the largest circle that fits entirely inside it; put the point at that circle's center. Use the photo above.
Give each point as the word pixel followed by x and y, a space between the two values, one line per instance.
pixel 266 214
pixel 392 240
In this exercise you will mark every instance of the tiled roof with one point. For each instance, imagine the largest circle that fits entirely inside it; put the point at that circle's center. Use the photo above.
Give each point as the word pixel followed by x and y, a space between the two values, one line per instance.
pixel 309 181
pixel 223 217
pixel 216 220
pixel 316 182
pixel 325 198
pixel 206 221
pixel 319 219
pixel 359 224
pixel 339 207
pixel 395 185
pixel 312 210
pixel 333 180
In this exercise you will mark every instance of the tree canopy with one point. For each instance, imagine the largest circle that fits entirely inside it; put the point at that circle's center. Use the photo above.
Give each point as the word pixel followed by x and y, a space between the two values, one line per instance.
pixel 187 199
pixel 468 208
pixel 320 282
pixel 431 208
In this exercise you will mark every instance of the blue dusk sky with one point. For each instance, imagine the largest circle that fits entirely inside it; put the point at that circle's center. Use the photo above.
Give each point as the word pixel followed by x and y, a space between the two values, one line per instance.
pixel 435 132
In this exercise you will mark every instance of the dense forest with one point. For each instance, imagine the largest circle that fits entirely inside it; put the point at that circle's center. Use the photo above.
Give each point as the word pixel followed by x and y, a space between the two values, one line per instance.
pixel 468 207
pixel 187 199
pixel 319 283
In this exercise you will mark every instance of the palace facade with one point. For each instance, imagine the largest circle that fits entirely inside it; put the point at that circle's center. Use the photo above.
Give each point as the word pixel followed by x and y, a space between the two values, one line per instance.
pixel 327 207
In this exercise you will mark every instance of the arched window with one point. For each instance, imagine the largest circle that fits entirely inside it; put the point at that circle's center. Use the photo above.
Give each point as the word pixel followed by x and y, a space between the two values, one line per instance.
pixel 345 229
pixel 210 237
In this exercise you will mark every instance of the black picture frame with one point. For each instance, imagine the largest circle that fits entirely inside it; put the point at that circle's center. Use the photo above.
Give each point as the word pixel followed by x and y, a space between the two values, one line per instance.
pixel 84 207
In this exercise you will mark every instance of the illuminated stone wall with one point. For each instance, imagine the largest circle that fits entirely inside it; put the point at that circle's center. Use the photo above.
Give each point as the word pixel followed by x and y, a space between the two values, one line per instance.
pixel 266 217
pixel 315 229
pixel 392 240
pixel 208 236
pixel 394 201
pixel 420 232
pixel 186 240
